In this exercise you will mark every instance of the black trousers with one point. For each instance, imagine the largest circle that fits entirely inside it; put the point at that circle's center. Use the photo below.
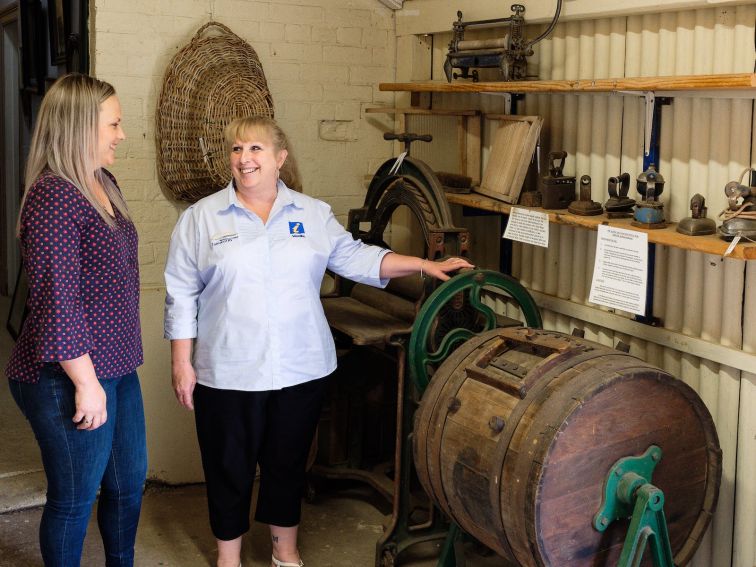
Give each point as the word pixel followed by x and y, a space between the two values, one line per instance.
pixel 236 431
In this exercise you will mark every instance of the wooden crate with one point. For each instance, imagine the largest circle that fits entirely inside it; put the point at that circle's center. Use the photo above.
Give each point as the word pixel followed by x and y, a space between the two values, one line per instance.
pixel 512 147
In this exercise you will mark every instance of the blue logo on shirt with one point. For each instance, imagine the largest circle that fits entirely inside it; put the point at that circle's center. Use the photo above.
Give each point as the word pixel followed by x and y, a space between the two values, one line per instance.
pixel 296 229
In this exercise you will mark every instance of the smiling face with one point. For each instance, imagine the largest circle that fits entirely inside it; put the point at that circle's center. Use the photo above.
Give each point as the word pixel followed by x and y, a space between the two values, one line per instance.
pixel 255 163
pixel 109 131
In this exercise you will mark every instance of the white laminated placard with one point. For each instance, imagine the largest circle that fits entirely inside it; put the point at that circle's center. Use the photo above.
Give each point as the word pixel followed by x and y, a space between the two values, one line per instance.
pixel 621 269
pixel 530 227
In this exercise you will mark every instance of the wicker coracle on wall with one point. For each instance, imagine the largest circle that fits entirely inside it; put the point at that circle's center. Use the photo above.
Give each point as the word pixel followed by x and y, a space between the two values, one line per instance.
pixel 215 78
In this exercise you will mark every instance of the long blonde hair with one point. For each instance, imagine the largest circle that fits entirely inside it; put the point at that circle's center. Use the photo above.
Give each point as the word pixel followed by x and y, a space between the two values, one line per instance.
pixel 246 128
pixel 65 139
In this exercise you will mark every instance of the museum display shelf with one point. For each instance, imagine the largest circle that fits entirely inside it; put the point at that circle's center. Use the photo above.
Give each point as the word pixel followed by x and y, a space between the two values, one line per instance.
pixel 710 244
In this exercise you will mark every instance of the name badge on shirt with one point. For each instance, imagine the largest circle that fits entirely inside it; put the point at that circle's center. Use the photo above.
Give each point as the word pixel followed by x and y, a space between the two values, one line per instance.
pixel 296 229
pixel 219 239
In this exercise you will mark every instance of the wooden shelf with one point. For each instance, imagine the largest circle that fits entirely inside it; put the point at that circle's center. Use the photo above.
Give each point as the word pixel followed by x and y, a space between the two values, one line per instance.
pixel 420 111
pixel 731 82
pixel 710 244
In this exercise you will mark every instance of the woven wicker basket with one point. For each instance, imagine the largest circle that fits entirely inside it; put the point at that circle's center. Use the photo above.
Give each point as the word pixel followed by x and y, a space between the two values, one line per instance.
pixel 214 79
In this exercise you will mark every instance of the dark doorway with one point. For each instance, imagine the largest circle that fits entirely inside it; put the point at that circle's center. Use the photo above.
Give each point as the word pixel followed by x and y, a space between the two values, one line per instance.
pixel 10 146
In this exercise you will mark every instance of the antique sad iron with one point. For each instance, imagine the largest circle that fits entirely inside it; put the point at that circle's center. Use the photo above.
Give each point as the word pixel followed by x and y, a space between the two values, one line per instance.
pixel 508 54
pixel 557 189
pixel 740 216
pixel 619 205
pixel 697 224
pixel 585 206
pixel 649 212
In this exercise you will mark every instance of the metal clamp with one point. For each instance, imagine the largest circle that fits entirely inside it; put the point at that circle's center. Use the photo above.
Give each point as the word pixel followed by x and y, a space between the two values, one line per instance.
pixel 628 492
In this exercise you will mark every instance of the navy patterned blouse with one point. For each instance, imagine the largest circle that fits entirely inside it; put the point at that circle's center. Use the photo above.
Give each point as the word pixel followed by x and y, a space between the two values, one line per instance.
pixel 84 285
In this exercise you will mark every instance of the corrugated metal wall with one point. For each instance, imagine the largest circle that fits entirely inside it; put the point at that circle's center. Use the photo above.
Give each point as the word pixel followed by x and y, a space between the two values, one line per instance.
pixel 705 143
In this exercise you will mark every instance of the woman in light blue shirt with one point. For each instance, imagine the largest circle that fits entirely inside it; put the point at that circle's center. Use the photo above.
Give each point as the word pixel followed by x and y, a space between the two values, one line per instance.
pixel 243 282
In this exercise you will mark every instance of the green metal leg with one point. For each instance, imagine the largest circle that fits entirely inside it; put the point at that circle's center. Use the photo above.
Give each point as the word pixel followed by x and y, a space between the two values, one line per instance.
pixel 452 554
pixel 648 526
pixel 628 490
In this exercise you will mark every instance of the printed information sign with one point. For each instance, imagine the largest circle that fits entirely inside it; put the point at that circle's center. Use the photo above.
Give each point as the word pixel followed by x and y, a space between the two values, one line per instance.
pixel 530 227
pixel 621 269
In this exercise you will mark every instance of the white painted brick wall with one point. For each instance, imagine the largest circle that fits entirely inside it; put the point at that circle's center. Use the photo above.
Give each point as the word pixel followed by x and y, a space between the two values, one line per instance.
pixel 323 60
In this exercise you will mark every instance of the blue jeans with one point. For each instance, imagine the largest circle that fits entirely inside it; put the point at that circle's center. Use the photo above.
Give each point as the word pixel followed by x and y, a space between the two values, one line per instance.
pixel 112 458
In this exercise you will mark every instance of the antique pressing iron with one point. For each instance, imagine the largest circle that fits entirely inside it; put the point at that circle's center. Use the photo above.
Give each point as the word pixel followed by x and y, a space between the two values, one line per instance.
pixel 585 206
pixel 508 54
pixel 649 212
pixel 619 205
pixel 697 224
pixel 740 216
pixel 557 189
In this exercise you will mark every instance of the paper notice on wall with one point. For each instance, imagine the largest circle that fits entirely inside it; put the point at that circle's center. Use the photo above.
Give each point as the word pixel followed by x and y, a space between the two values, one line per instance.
pixel 621 269
pixel 530 227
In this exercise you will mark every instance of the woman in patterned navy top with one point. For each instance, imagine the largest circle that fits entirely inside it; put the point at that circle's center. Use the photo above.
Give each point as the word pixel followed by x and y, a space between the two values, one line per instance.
pixel 73 370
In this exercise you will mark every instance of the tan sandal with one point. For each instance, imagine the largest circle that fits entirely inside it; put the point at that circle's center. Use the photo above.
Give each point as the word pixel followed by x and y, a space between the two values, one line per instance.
pixel 278 563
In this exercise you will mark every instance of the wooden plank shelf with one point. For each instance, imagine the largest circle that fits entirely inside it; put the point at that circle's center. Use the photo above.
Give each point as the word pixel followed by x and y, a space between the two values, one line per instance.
pixel 420 111
pixel 728 82
pixel 710 244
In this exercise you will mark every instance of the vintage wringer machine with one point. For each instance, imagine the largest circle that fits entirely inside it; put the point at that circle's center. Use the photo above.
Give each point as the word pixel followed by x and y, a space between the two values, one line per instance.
pixel 740 216
pixel 649 211
pixel 372 327
pixel 508 54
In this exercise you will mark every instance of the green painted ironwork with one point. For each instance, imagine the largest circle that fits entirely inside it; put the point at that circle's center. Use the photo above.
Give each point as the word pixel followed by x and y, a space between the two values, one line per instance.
pixel 628 492
pixel 472 283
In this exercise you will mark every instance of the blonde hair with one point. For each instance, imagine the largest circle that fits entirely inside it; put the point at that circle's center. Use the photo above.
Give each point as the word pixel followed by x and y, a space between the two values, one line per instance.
pixel 249 127
pixel 65 141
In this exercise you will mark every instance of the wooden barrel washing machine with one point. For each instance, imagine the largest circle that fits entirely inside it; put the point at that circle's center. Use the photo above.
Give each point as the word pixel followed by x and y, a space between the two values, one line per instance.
pixel 555 451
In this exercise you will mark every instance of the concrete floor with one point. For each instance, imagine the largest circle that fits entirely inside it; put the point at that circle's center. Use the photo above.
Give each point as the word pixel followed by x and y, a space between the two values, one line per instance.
pixel 22 482
pixel 340 529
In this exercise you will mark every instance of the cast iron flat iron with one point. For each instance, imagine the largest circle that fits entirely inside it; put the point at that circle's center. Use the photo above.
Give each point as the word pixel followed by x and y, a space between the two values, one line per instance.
pixel 619 205
pixel 649 211
pixel 585 206
pixel 739 219
pixel 557 189
pixel 697 224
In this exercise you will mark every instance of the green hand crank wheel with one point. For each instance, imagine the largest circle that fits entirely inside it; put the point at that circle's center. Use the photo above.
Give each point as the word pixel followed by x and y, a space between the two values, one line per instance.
pixel 472 283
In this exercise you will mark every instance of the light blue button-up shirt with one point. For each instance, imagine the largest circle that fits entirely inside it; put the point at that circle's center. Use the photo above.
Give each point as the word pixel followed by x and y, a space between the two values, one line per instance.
pixel 250 292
